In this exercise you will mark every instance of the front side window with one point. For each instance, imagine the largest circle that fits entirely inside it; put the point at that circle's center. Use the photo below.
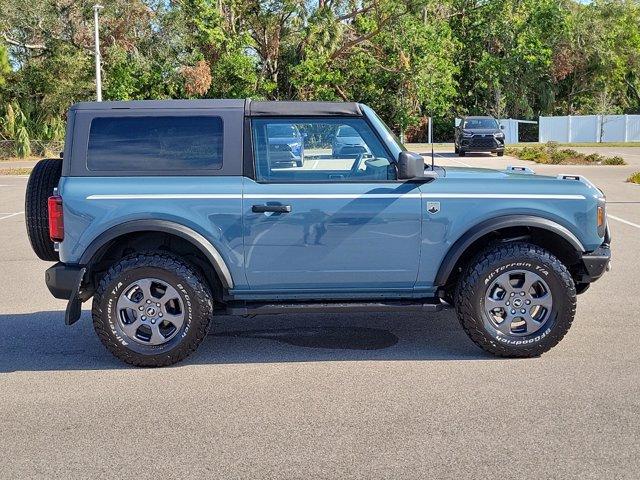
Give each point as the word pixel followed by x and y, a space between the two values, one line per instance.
pixel 155 144
pixel 319 150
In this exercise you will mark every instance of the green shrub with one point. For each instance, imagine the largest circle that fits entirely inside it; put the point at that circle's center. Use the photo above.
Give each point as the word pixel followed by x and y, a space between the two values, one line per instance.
pixel 594 158
pixel 559 156
pixel 634 178
pixel 551 145
pixel 614 161
pixel 533 154
pixel 551 154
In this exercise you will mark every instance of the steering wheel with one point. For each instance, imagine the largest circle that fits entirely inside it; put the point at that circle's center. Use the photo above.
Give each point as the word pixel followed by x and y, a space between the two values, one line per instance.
pixel 355 168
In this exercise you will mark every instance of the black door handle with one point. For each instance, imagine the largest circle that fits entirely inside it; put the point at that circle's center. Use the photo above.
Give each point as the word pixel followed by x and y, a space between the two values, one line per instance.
pixel 271 208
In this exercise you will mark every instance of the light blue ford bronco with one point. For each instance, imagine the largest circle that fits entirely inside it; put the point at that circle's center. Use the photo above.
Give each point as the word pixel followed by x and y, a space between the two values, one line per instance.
pixel 168 213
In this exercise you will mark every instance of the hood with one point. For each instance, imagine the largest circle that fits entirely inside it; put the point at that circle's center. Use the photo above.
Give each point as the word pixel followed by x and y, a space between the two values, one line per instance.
pixel 482 131
pixel 488 173
pixel 489 181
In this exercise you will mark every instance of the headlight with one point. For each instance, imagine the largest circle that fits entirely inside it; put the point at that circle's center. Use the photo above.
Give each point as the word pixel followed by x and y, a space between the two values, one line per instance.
pixel 467 134
pixel 601 217
pixel 499 135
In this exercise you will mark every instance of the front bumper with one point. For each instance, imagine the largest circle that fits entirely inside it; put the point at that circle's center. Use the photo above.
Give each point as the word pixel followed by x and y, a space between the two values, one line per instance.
pixel 63 281
pixel 482 143
pixel 597 262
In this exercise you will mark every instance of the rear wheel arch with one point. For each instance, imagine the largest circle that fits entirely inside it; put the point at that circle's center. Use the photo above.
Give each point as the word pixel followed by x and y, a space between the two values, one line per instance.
pixel 538 230
pixel 164 233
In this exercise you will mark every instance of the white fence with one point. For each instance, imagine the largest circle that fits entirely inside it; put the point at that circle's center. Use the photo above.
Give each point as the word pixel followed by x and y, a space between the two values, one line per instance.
pixel 510 127
pixel 590 128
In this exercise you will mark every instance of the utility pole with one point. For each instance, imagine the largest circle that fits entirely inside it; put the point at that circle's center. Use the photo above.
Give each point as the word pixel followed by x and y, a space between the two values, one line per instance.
pixel 96 41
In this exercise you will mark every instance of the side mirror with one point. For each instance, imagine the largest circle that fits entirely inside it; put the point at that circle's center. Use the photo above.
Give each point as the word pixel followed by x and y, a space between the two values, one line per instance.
pixel 411 167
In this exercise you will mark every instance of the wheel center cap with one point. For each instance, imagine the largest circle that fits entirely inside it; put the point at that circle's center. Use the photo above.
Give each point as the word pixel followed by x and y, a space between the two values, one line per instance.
pixel 517 302
pixel 151 311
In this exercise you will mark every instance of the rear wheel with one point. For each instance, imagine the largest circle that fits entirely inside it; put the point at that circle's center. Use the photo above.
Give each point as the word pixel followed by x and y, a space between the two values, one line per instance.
pixel 152 309
pixel 43 179
pixel 516 300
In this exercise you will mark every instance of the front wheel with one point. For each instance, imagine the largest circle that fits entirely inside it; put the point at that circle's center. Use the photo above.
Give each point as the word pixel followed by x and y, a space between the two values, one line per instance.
pixel 516 300
pixel 152 309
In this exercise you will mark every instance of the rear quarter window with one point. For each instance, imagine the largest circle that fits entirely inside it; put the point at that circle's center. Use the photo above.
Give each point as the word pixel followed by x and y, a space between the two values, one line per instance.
pixel 149 144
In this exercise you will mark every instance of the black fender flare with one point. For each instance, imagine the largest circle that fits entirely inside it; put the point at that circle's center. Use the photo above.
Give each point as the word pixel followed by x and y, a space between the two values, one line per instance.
pixel 474 233
pixel 164 226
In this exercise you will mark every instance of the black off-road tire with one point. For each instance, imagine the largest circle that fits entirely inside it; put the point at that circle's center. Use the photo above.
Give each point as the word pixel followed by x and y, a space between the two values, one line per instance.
pixel 500 153
pixel 474 282
pixel 43 179
pixel 461 152
pixel 190 284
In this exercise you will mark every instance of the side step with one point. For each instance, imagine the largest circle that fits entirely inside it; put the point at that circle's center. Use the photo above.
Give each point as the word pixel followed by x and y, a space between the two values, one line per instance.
pixel 250 308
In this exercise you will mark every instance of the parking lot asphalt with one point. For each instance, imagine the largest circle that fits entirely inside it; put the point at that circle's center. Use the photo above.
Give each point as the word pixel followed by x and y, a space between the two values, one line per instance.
pixel 325 396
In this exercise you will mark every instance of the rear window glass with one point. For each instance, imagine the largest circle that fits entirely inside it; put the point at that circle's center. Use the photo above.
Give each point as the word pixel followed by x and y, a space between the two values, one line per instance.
pixel 151 144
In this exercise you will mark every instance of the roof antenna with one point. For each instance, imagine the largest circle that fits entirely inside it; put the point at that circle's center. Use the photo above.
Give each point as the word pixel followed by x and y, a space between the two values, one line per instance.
pixel 431 142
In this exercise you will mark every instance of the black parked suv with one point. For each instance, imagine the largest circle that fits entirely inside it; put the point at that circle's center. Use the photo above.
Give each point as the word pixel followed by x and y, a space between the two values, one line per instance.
pixel 479 134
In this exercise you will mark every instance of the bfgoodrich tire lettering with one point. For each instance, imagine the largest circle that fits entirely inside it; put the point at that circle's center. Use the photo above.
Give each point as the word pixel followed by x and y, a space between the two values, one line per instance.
pixel 520 258
pixel 188 285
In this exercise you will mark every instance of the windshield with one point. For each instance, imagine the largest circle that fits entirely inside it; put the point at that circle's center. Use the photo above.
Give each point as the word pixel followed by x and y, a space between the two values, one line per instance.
pixel 480 123
pixel 282 131
pixel 392 141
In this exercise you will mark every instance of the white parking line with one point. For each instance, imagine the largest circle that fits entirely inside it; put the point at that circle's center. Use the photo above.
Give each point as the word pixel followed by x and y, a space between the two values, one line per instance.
pixel 619 220
pixel 9 215
pixel 453 160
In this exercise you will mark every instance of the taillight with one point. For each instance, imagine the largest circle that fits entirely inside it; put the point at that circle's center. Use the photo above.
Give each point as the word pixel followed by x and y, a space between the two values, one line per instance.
pixel 56 223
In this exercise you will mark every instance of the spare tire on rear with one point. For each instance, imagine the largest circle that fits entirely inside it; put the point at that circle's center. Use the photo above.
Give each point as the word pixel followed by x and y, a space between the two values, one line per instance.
pixel 43 179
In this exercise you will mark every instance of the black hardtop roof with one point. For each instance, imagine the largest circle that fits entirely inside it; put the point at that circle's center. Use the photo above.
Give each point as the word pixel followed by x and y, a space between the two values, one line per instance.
pixel 159 104
pixel 270 109
pixel 251 108
pixel 479 116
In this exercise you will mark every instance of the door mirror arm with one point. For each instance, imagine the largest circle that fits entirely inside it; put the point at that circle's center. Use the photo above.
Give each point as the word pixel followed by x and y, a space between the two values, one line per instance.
pixel 410 167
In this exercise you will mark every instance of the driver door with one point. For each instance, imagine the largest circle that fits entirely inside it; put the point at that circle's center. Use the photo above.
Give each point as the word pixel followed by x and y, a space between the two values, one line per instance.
pixel 338 223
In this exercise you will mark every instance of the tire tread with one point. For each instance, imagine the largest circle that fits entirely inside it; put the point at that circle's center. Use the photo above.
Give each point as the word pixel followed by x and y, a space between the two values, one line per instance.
pixel 471 278
pixel 43 179
pixel 178 267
